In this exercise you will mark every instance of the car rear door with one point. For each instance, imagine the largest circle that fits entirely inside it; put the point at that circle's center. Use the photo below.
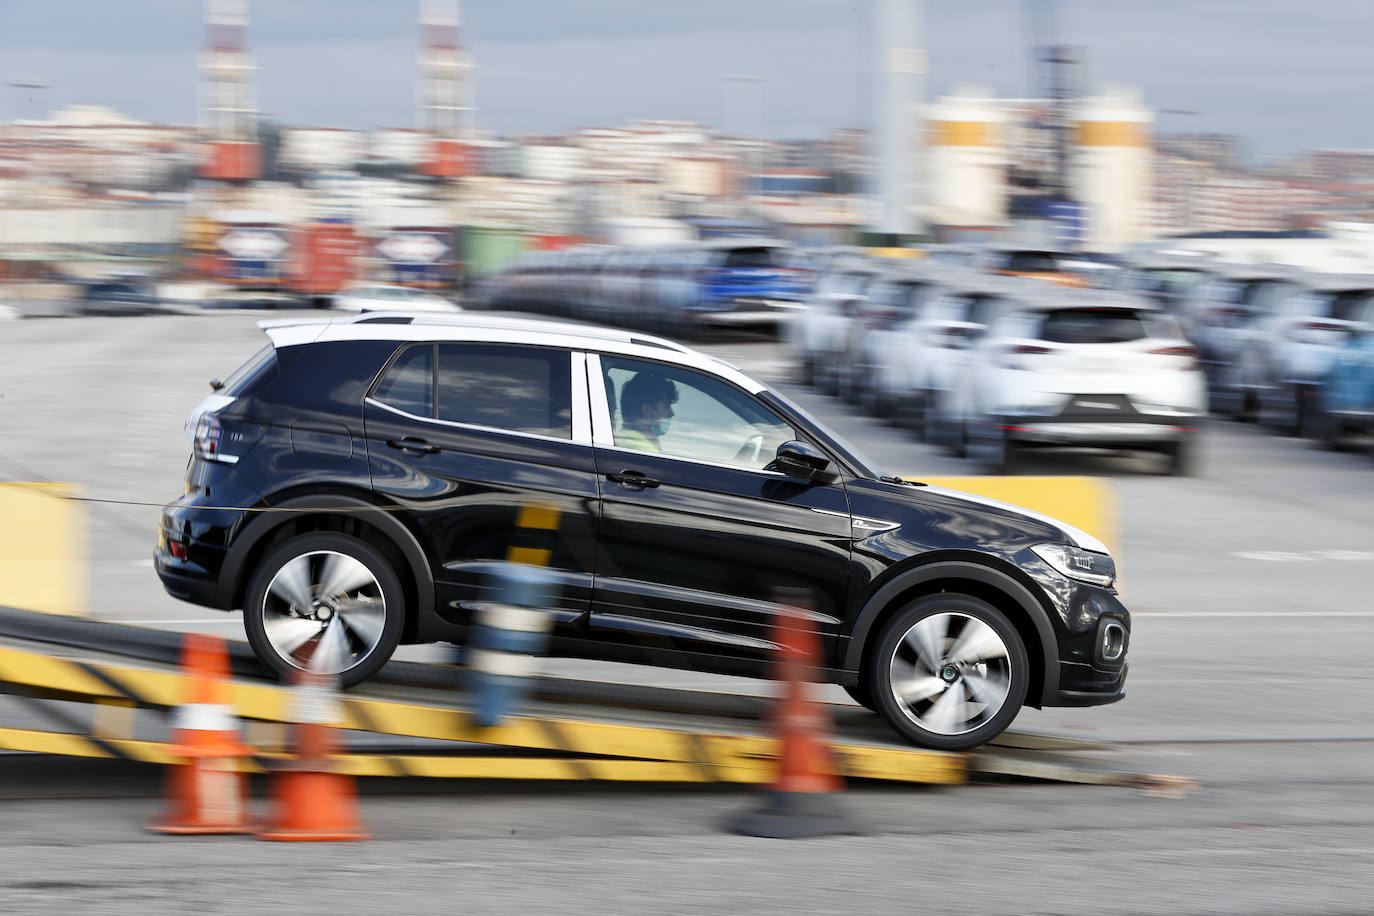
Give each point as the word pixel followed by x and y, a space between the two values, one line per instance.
pixel 462 436
pixel 698 535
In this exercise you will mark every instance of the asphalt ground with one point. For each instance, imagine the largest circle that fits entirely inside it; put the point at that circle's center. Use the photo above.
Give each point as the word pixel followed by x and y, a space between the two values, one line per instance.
pixel 1251 656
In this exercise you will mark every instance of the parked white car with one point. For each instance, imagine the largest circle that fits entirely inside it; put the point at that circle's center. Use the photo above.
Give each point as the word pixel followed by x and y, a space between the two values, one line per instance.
pixel 372 297
pixel 1081 368
pixel 916 361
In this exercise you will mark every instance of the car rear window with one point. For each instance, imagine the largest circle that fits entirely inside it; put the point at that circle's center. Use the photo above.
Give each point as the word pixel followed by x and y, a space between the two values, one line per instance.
pixel 1032 262
pixel 749 257
pixel 1350 305
pixel 260 369
pixel 1092 326
pixel 409 384
pixel 521 389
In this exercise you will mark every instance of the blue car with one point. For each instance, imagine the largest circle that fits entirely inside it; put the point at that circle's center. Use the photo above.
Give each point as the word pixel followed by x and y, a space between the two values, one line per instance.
pixel 1347 397
pixel 745 282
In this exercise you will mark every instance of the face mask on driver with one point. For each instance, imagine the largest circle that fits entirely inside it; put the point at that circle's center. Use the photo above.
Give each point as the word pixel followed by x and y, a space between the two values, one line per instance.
pixel 660 427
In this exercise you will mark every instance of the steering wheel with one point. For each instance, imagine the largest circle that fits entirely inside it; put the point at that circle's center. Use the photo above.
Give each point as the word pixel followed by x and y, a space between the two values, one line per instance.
pixel 751 450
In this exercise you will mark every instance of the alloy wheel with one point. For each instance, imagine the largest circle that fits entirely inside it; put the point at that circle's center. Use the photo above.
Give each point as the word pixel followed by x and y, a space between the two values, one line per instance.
pixel 313 590
pixel 950 673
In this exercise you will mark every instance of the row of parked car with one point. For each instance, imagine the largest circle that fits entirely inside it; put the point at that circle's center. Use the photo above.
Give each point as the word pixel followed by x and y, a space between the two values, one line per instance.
pixel 1287 348
pixel 683 289
pixel 990 365
pixel 979 358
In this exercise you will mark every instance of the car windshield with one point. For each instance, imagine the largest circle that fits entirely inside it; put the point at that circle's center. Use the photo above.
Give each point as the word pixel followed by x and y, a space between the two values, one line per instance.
pixel 1105 325
pixel 1032 262
pixel 749 257
pixel 1350 304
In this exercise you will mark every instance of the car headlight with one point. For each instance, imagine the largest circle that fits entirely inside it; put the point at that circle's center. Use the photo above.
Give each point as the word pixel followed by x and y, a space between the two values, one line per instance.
pixel 1077 563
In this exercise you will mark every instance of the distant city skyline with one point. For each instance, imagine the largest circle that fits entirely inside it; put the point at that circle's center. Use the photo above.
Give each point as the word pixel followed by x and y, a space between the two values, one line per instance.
pixel 1283 77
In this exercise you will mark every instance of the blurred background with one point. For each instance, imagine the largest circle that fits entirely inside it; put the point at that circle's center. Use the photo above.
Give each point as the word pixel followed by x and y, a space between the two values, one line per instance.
pixel 932 223
pixel 207 153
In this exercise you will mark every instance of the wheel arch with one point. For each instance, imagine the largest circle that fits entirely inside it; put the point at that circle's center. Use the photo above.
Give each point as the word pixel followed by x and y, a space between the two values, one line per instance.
pixel 345 514
pixel 980 580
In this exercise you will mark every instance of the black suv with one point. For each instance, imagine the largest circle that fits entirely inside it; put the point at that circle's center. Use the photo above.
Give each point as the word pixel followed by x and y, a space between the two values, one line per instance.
pixel 372 469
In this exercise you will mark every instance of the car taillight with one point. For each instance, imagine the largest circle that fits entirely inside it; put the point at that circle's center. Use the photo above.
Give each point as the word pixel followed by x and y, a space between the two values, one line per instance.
pixel 216 441
pixel 952 336
pixel 1014 356
pixel 1187 353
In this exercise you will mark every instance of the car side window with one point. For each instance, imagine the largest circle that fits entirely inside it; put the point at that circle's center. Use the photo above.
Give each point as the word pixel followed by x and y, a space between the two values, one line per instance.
pixel 687 414
pixel 521 389
pixel 409 384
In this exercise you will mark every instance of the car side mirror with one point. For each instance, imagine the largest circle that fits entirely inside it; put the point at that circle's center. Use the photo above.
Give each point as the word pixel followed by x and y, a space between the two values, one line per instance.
pixel 803 462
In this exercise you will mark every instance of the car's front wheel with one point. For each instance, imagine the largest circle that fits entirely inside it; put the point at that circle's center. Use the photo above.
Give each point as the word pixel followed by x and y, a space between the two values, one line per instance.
pixel 949 672
pixel 312 582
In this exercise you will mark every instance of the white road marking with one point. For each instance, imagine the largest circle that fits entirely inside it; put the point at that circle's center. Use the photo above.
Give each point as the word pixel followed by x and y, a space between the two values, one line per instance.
pixel 168 620
pixel 1304 556
pixel 1246 615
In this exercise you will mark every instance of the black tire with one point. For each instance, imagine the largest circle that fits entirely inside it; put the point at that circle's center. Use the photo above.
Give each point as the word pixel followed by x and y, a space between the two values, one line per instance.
pixel 1180 457
pixel 1003 664
pixel 860 694
pixel 1278 410
pixel 991 448
pixel 373 643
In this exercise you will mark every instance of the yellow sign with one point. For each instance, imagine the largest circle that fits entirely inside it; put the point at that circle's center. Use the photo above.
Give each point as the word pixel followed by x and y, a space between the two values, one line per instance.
pixel 42 548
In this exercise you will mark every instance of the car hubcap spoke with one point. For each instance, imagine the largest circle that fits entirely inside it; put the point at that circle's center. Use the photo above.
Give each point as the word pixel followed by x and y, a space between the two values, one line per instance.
pixel 288 634
pixel 341 575
pixel 978 642
pixel 292 583
pixel 986 690
pixel 926 638
pixel 949 712
pixel 326 594
pixel 919 688
pixel 364 619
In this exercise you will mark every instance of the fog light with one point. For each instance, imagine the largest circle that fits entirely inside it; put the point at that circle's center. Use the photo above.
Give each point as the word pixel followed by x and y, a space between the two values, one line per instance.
pixel 178 549
pixel 1113 644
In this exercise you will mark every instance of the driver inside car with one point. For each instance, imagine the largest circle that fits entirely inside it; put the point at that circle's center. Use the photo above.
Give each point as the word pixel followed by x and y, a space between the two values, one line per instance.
pixel 646 409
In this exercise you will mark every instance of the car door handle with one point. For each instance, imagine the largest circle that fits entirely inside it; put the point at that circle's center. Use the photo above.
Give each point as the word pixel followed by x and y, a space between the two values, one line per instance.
pixel 632 479
pixel 412 446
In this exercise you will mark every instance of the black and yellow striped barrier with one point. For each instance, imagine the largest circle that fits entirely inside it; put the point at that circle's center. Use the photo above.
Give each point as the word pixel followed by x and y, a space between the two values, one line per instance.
pixel 586 748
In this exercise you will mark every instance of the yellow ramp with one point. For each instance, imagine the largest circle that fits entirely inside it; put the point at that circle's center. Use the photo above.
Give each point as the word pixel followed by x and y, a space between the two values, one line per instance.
pixel 1084 502
pixel 42 548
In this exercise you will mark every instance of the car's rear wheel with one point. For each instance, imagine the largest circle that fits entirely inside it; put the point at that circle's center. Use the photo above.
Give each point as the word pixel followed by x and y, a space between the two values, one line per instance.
pixel 949 672
pixel 315 581
pixel 1180 457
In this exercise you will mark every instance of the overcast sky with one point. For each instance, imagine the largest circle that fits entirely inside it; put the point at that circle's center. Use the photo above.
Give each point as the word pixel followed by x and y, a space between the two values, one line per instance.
pixel 1286 75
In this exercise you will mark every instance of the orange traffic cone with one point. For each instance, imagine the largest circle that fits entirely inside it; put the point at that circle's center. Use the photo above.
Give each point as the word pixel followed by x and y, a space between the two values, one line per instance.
pixel 802 800
pixel 206 791
pixel 312 801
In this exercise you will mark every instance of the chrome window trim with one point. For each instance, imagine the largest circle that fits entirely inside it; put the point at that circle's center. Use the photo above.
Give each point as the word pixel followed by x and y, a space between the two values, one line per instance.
pixel 472 426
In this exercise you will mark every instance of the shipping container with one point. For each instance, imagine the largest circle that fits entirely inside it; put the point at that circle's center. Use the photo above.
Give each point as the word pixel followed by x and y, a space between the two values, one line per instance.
pixel 489 248
pixel 420 257
pixel 325 257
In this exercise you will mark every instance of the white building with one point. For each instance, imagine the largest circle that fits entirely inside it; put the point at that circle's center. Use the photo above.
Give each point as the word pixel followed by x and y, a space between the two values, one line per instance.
pixel 973 139
pixel 321 149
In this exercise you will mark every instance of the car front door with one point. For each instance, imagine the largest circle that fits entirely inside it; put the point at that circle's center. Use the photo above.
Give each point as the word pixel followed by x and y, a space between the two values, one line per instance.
pixel 461 437
pixel 699 537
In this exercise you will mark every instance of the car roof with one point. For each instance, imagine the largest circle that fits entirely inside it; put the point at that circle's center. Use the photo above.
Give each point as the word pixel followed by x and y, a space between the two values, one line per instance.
pixel 496 328
pixel 1330 283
